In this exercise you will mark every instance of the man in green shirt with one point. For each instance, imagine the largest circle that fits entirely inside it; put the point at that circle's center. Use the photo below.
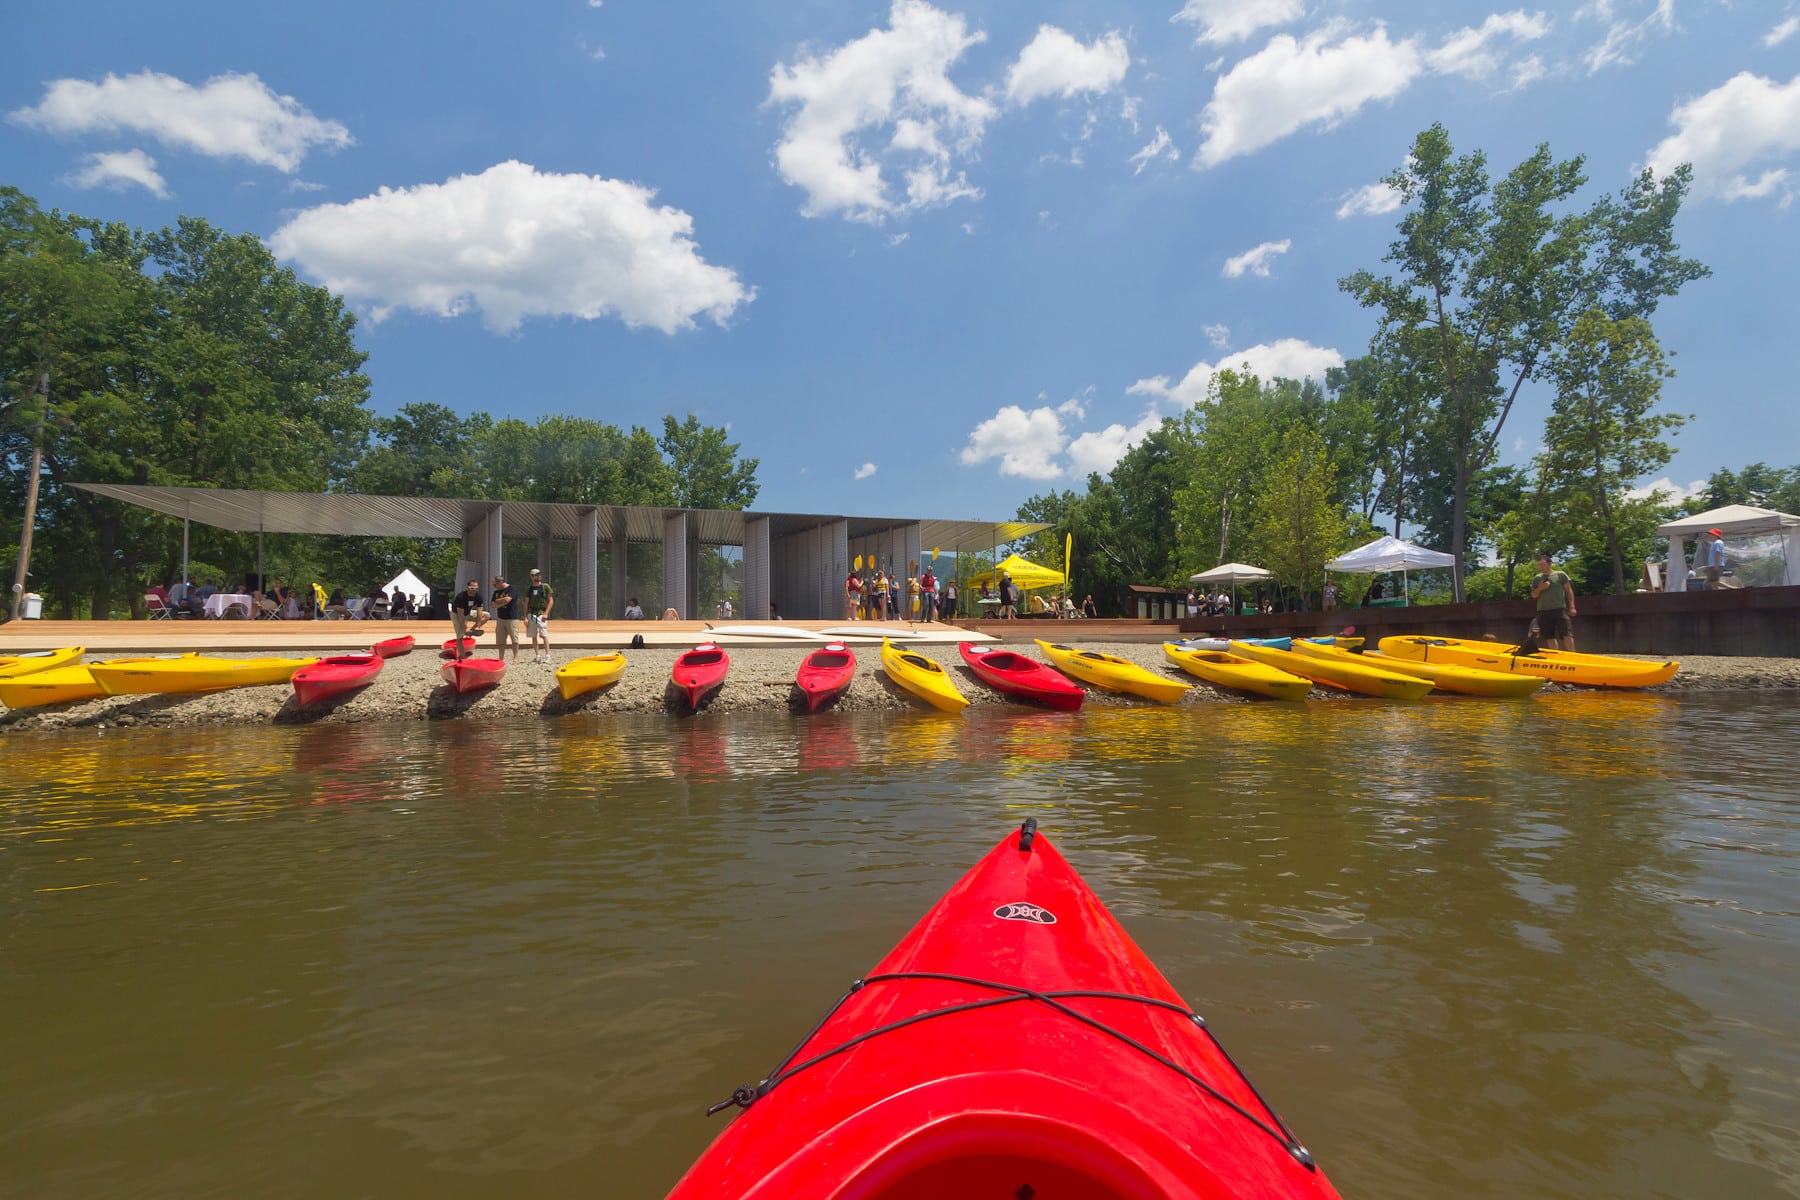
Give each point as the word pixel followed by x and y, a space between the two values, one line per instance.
pixel 1555 598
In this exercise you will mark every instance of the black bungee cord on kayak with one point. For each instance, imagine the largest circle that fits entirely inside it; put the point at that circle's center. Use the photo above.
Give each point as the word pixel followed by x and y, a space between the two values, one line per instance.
pixel 745 1096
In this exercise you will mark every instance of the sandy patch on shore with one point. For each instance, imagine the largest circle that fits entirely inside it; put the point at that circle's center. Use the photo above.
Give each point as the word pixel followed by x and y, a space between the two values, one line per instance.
pixel 761 679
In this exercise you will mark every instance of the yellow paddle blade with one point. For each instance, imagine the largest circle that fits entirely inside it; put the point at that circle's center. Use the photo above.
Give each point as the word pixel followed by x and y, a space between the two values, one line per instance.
pixel 934 554
pixel 859 562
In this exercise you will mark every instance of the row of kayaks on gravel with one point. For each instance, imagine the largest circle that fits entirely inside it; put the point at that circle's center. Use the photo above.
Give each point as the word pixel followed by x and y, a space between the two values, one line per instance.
pixel 1404 668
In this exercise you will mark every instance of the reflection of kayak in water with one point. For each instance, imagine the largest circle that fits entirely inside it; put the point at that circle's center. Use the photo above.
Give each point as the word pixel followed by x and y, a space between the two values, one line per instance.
pixel 1017 1042
pixel 1562 666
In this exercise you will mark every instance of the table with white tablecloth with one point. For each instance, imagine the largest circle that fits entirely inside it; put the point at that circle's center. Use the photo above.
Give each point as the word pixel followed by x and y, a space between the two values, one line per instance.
pixel 218 602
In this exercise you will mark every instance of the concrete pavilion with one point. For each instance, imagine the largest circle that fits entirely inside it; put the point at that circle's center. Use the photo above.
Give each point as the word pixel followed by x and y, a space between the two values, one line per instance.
pixel 795 560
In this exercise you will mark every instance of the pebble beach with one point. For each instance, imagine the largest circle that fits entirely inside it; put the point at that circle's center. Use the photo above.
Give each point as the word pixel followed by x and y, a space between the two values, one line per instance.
pixel 761 679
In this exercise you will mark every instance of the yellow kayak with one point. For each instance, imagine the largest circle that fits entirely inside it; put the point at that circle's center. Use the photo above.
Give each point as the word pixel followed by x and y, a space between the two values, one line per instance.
pixel 1562 666
pixel 1446 677
pixel 14 665
pixel 1114 674
pixel 588 674
pixel 922 677
pixel 191 673
pixel 1350 676
pixel 1221 668
pixel 58 685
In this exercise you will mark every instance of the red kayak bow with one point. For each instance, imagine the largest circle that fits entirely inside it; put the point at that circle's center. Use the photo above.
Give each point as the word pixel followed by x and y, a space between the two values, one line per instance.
pixel 1019 676
pixel 1016 1043
pixel 393 647
pixel 334 676
pixel 825 674
pixel 473 674
pixel 700 671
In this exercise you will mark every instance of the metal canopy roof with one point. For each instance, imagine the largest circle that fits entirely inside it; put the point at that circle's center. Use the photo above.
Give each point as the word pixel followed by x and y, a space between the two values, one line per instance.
pixel 353 515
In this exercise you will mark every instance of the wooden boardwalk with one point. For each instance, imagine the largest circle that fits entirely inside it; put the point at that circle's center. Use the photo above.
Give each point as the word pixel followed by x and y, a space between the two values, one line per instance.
pixel 279 637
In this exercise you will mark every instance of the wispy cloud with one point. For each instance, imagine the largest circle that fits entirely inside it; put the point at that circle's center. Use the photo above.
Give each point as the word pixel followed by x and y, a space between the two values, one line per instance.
pixel 1160 146
pixel 1370 201
pixel 1255 261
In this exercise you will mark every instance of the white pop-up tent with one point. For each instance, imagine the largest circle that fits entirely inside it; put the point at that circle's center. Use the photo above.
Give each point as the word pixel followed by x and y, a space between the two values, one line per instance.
pixel 412 585
pixel 1389 553
pixel 1232 573
pixel 1741 523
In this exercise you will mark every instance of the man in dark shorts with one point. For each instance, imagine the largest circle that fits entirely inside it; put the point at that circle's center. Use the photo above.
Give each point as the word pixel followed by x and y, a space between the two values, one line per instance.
pixel 1555 598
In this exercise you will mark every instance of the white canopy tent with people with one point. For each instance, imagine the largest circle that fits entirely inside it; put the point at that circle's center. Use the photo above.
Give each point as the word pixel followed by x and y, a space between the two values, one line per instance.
pixel 1760 547
pixel 1389 553
pixel 1233 573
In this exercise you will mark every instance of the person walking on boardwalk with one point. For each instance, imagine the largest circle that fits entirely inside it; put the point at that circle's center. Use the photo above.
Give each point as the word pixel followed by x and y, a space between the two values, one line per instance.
pixel 503 602
pixel 1555 597
pixel 540 598
pixel 467 616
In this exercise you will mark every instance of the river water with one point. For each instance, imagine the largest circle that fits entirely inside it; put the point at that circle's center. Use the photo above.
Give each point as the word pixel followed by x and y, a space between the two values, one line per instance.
pixel 1539 949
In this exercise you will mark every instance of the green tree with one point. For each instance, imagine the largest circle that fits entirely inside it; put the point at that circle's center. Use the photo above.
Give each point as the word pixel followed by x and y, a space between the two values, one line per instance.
pixel 1298 523
pixel 1604 432
pixel 708 471
pixel 1497 271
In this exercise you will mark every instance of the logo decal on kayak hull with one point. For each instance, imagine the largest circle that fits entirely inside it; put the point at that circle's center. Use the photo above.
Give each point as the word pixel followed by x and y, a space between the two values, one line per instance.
pixel 1020 910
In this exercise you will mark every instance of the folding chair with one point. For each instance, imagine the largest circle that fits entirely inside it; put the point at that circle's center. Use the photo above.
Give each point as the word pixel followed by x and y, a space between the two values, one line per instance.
pixel 158 610
pixel 267 609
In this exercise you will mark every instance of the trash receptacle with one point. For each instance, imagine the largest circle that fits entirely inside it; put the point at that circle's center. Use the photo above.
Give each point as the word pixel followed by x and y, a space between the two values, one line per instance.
pixel 31 606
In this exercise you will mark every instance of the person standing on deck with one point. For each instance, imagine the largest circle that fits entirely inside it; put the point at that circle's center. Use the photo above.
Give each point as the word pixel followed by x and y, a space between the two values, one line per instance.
pixel 928 596
pixel 540 598
pixel 1555 597
pixel 852 596
pixel 467 616
pixel 503 602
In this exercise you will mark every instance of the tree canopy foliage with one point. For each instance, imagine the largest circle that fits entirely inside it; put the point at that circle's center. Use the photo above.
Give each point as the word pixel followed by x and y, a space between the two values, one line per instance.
pixel 189 357
pixel 1497 285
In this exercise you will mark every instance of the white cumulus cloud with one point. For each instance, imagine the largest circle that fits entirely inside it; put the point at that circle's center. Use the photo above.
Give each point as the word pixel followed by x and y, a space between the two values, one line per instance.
pixel 1673 493
pixel 1256 260
pixel 1293 83
pixel 120 169
pixel 866 470
pixel 1370 201
pixel 1224 21
pixel 1027 443
pixel 1056 64
pixel 228 116
pixel 1288 358
pixel 514 243
pixel 1748 123
pixel 1102 450
pixel 1160 146
pixel 883 101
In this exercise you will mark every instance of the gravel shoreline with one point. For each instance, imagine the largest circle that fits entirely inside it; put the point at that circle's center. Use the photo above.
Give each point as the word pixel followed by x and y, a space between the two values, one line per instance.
pixel 761 680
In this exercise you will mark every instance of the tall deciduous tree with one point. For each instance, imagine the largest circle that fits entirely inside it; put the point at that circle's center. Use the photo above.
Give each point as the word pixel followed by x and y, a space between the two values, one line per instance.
pixel 1298 522
pixel 1497 271
pixel 708 471
pixel 1604 432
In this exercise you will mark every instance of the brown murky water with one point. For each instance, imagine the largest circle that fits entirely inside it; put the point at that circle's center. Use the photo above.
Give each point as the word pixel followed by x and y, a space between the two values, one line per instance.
pixel 1545 949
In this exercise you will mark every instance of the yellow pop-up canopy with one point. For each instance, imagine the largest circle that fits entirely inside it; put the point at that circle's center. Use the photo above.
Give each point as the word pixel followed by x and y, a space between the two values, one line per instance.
pixel 1027 575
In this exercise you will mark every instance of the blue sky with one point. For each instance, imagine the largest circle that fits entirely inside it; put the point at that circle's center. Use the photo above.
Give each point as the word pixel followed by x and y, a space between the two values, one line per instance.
pixel 921 258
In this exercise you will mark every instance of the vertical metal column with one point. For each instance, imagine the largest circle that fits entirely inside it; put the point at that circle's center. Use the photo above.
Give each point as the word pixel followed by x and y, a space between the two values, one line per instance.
pixel 756 568
pixel 587 566
pixel 675 572
pixel 621 578
pixel 836 547
pixel 496 546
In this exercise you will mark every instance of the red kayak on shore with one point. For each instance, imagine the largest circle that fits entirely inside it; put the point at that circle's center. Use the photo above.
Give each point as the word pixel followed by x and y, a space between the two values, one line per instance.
pixel 700 671
pixel 393 647
pixel 334 676
pixel 825 674
pixel 1024 677
pixel 1016 1043
pixel 473 674
pixel 449 650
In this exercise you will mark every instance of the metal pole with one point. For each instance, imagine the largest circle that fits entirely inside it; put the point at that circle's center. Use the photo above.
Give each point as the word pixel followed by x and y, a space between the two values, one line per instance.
pixel 184 554
pixel 31 495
